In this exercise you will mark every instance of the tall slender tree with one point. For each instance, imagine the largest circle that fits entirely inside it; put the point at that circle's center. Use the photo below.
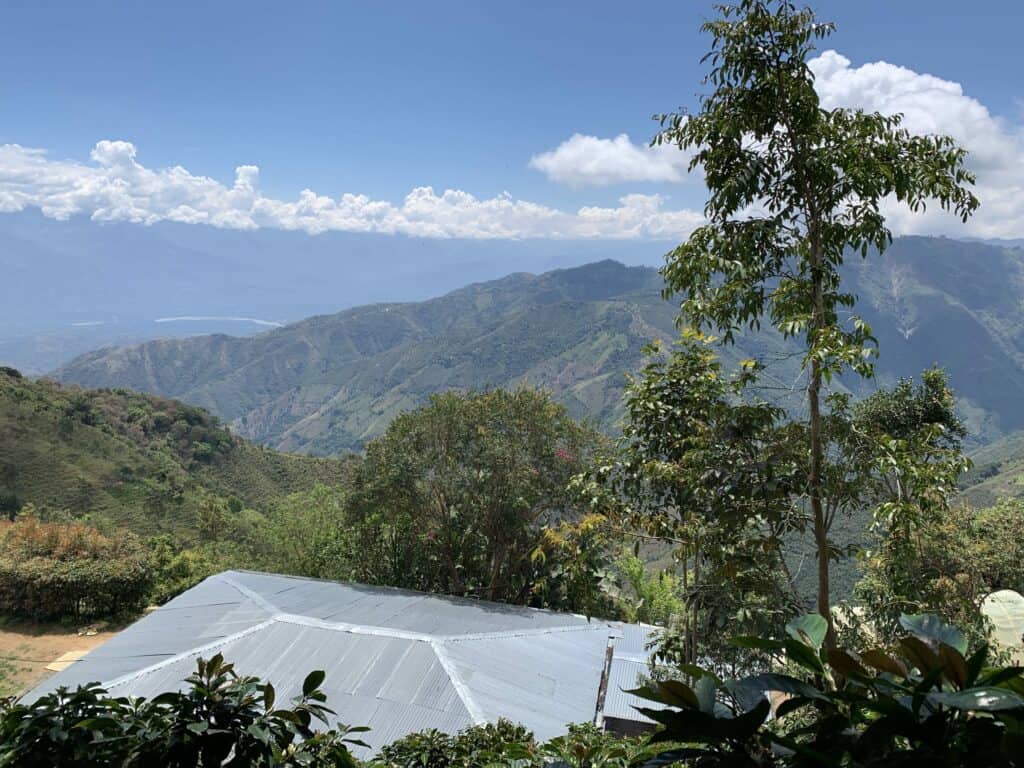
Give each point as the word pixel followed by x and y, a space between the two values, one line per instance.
pixel 793 188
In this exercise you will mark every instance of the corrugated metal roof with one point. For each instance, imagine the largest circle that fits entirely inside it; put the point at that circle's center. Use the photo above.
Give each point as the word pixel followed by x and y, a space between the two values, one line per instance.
pixel 396 661
pixel 635 640
pixel 395 608
pixel 625 675
pixel 629 666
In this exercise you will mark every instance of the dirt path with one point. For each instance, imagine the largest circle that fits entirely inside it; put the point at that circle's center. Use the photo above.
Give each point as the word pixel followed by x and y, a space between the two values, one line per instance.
pixel 26 649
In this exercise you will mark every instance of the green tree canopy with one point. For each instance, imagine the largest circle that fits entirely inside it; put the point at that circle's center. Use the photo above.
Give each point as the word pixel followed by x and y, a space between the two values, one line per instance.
pixel 715 477
pixel 456 495
pixel 793 187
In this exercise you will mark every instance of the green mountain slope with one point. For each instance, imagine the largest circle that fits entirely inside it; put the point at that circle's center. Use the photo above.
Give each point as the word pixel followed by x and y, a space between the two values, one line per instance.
pixel 136 461
pixel 326 384
pixel 998 472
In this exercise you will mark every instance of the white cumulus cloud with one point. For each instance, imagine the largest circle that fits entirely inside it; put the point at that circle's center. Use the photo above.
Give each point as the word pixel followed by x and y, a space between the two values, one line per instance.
pixel 931 105
pixel 115 186
pixel 588 160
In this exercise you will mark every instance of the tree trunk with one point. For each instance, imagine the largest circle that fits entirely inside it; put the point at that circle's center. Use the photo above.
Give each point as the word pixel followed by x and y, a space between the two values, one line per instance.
pixel 497 560
pixel 816 480
pixel 817 505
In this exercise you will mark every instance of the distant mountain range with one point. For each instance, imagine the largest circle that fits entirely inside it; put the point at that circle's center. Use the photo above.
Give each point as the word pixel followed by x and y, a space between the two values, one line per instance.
pixel 71 286
pixel 327 384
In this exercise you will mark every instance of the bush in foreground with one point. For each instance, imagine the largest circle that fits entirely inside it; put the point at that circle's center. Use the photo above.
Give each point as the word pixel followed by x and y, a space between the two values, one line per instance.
pixel 221 719
pixel 929 702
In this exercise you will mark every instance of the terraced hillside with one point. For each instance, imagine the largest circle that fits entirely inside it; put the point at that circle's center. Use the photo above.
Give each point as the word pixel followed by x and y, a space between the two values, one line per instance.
pixel 135 461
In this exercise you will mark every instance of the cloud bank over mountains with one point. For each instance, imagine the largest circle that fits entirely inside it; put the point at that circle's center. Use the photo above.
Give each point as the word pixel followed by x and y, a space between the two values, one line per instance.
pixel 114 186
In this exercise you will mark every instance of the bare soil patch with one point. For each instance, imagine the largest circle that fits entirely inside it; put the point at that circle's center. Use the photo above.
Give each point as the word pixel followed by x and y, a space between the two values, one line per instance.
pixel 26 648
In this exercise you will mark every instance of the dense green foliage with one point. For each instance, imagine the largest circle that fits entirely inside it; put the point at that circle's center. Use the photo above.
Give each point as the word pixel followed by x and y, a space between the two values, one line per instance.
pixel 507 744
pixel 713 477
pixel 931 702
pixel 792 188
pixel 132 461
pixel 464 496
pixel 649 597
pixel 220 719
pixel 54 570
pixel 722 480
pixel 947 567
pixel 475 747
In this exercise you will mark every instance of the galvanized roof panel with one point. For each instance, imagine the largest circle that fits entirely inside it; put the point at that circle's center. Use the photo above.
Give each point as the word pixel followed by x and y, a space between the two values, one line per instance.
pixel 625 675
pixel 397 661
pixel 393 608
pixel 545 681
pixel 635 640
pixel 207 613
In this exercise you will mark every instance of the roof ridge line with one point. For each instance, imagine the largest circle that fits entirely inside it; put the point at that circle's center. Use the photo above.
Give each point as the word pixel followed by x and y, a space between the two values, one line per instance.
pixel 442 596
pixel 475 713
pixel 256 597
pixel 403 634
pixel 355 629
pixel 190 652
pixel 528 632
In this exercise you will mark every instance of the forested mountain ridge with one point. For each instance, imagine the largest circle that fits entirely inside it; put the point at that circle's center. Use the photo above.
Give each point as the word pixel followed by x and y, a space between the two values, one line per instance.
pixel 328 383
pixel 135 461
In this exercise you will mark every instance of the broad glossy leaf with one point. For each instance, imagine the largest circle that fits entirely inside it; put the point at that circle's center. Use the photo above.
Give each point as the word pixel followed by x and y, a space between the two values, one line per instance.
pixel 934 630
pixel 769 681
pixel 883 662
pixel 845 663
pixel 982 699
pixel 1000 675
pixel 804 655
pixel 920 654
pixel 697 672
pixel 705 689
pixel 313 681
pixel 954 667
pixel 671 692
pixel 757 643
pixel 809 629
pixel 744 726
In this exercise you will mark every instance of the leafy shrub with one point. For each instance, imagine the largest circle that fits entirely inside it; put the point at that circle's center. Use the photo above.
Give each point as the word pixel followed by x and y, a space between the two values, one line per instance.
pixel 506 744
pixel 475 747
pixel 651 598
pixel 175 569
pixel 930 702
pixel 946 567
pixel 221 719
pixel 587 746
pixel 52 570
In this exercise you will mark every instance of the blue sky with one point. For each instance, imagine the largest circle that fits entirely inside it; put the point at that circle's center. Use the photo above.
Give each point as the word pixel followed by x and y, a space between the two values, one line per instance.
pixel 377 99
